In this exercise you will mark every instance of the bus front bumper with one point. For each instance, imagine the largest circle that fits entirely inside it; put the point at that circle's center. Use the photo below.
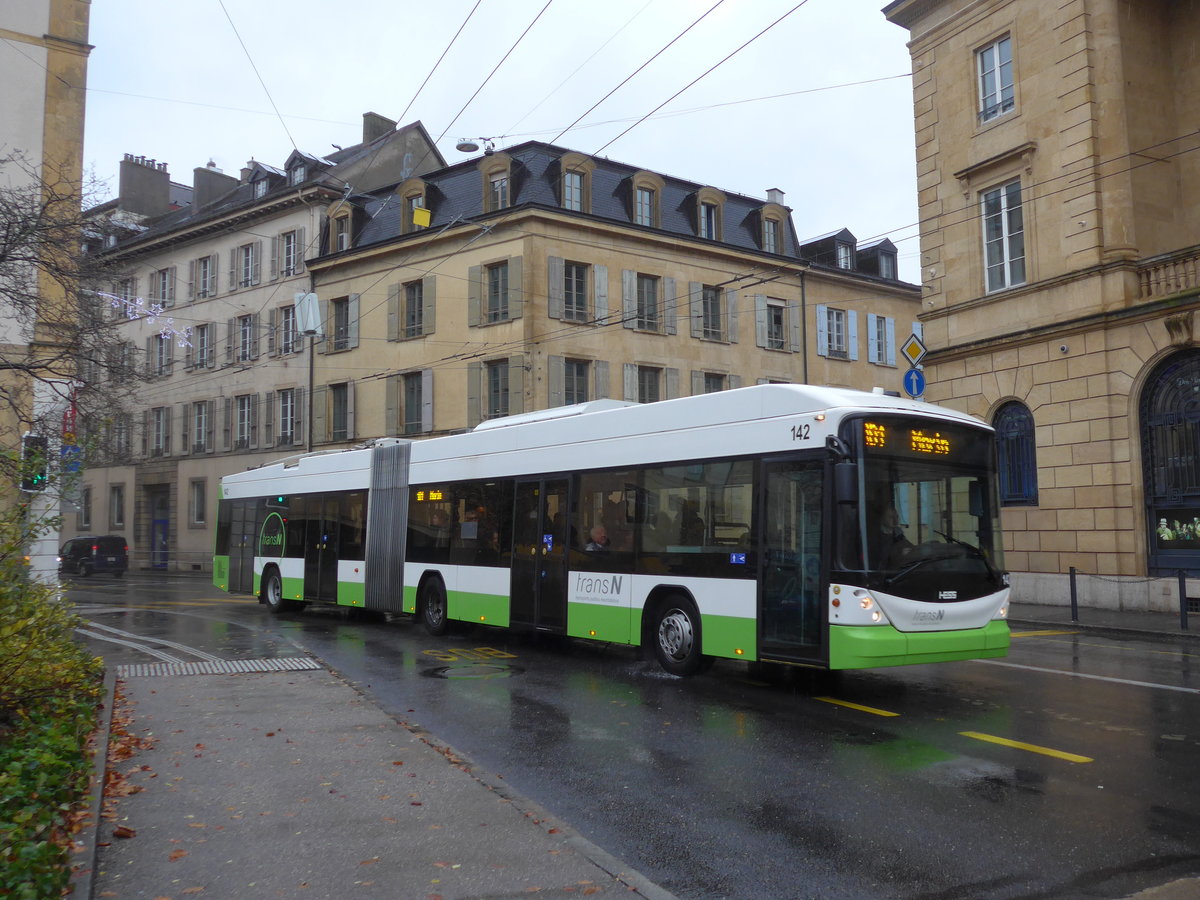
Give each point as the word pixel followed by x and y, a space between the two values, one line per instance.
pixel 874 646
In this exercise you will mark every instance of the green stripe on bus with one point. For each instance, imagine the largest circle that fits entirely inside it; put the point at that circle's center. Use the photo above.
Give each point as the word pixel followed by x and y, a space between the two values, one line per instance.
pixel 733 637
pixel 601 623
pixel 351 593
pixel 221 572
pixel 490 609
pixel 872 646
pixel 410 598
pixel 293 588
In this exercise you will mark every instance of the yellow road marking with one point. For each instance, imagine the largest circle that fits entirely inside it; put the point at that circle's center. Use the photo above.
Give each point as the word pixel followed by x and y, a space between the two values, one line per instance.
pixel 858 706
pixel 1032 748
pixel 1039 633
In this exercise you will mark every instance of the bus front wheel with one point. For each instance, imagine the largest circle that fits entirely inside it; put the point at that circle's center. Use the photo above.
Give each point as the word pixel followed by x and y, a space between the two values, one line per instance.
pixel 677 637
pixel 433 607
pixel 272 592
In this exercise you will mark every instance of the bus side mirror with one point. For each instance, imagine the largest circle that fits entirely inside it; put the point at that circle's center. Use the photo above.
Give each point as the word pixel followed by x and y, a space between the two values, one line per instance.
pixel 845 482
pixel 976 504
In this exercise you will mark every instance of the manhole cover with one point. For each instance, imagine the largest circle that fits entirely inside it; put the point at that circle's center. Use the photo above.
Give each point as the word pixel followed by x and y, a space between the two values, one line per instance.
pixel 474 671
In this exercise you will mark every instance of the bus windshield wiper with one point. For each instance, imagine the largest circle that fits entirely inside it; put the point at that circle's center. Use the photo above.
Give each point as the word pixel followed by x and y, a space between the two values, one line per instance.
pixel 975 551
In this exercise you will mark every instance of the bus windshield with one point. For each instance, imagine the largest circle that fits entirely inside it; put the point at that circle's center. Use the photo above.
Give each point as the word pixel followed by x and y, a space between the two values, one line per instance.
pixel 928 517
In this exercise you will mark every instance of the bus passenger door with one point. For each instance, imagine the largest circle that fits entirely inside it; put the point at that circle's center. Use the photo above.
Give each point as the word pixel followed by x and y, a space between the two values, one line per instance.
pixel 320 550
pixel 538 589
pixel 790 611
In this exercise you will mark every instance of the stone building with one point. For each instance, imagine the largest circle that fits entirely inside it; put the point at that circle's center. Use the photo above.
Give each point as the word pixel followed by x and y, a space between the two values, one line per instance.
pixel 1060 263
pixel 521 279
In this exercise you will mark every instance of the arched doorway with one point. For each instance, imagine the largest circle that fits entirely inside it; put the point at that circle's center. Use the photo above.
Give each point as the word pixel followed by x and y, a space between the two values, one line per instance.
pixel 1170 424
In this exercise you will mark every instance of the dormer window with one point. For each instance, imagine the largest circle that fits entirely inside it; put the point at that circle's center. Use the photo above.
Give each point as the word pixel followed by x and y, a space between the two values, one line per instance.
pixel 576 182
pixel 498 190
pixel 887 265
pixel 495 171
pixel 414 213
pixel 646 191
pixel 260 188
pixel 770 235
pixel 845 255
pixel 709 208
pixel 341 234
pixel 298 174
pixel 572 191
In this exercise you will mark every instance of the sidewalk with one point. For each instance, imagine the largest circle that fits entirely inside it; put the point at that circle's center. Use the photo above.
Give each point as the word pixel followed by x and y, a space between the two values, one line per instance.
pixel 291 783
pixel 1156 624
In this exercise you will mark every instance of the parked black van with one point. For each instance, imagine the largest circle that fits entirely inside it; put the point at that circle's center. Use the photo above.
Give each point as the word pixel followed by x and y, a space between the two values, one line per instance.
pixel 85 555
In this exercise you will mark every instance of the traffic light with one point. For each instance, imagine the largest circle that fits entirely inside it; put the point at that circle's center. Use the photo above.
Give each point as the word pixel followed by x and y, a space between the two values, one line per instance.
pixel 33 463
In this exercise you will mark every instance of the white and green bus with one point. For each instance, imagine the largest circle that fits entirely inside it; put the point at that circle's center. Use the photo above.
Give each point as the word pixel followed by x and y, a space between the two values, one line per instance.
pixel 804 525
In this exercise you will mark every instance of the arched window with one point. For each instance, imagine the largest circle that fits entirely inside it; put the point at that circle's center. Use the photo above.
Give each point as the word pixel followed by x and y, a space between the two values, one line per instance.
pixel 1016 455
pixel 1170 431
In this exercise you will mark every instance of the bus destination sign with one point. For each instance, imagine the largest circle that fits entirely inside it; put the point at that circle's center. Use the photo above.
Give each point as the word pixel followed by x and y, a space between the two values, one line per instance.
pixel 918 440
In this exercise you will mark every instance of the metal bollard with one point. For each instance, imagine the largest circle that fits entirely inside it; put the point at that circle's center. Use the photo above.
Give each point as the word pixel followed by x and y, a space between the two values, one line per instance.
pixel 1074 597
pixel 1183 622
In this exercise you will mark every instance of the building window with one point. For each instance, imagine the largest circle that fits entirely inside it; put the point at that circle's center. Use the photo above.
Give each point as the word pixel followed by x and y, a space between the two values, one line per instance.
pixel 994 63
pixel 289 337
pixel 713 382
pixel 341 323
pixel 572 190
pixel 116 506
pixel 197 501
pixel 287 416
pixel 845 255
pixel 413 397
pixel 770 235
pixel 776 325
pixel 289 253
pixel 645 206
pixel 202 346
pixel 200 425
pixel 339 395
pixel 1004 236
pixel 497 292
pixel 245 345
pixel 162 285
pixel 887 265
pixel 575 292
pixel 1016 456
pixel 647 302
pixel 84 515
pixel 712 326
pixel 497 389
pixel 575 381
pixel 708 221
pixel 120 438
pixel 881 340
pixel 648 384
pixel 160 348
pixel 244 433
pixel 415 220
pixel 260 188
pixel 414 309
pixel 835 333
pixel 298 174
pixel 497 190
pixel 206 273
pixel 160 435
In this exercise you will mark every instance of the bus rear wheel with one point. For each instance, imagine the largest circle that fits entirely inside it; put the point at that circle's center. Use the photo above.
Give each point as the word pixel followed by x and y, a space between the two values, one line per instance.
pixel 272 592
pixel 433 607
pixel 677 637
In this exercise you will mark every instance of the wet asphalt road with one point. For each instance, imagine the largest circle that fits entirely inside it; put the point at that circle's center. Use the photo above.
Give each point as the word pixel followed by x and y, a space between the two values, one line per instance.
pixel 1067 770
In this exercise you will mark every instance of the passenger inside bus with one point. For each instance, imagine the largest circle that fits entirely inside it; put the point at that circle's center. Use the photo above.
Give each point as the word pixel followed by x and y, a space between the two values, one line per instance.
pixel 599 539
pixel 890 547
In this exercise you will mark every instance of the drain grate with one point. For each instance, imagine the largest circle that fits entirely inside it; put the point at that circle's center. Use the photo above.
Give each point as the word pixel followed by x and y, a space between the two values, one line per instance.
pixel 219 667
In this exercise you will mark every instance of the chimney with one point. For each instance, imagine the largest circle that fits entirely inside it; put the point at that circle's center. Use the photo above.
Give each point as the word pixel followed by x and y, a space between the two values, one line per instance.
pixel 376 126
pixel 209 183
pixel 247 170
pixel 145 186
pixel 775 195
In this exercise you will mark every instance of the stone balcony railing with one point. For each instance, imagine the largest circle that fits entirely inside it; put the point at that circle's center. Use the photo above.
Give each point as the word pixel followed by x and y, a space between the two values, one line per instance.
pixel 1169 274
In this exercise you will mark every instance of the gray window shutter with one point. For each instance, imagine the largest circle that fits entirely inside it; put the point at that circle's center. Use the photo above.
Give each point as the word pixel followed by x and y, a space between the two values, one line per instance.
pixel 428 304
pixel 184 447
pixel 554 289
pixel 600 368
pixel 320 415
pixel 393 314
pixel 851 334
pixel 326 326
pixel 299 435
pixel 696 308
pixel 630 382
pixel 669 302
pixel 629 300
pixel 556 376
pixel 426 400
pixel 233 260
pixel 227 429
pixel 600 293
pixel 735 382
pixel 697 382
pixel 268 419
pixel 516 384
pixel 210 423
pixel 352 335
pixel 254 324
pixel 170 298
pixel 391 407
pixel 213 268
pixel 272 343
pixel 230 340
pixel 672 379
pixel 256 263
pixel 188 357
pixel 275 241
pixel 516 291
pixel 760 320
pixel 731 317
pixel 350 432
pixel 191 285
pixel 212 345
pixel 822 331
pixel 166 430
pixel 146 432
pixel 889 350
pixel 474 298
pixel 873 354
pixel 474 392
pixel 169 343
pixel 301 250
pixel 255 401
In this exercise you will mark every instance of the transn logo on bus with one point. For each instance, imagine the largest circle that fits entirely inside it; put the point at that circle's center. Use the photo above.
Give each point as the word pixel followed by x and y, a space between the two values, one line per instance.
pixel 923 615
pixel 947 595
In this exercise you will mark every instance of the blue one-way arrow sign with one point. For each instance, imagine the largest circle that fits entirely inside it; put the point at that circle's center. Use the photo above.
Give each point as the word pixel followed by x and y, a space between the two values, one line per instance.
pixel 914 383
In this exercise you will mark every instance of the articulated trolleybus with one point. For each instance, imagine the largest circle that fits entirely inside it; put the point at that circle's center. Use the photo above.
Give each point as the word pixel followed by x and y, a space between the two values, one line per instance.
pixel 788 523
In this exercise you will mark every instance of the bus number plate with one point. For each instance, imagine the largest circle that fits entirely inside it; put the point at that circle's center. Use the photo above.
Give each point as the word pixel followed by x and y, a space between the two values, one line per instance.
pixel 801 432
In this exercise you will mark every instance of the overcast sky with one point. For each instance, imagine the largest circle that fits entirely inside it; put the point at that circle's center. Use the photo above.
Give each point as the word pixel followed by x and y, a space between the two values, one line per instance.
pixel 173 81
